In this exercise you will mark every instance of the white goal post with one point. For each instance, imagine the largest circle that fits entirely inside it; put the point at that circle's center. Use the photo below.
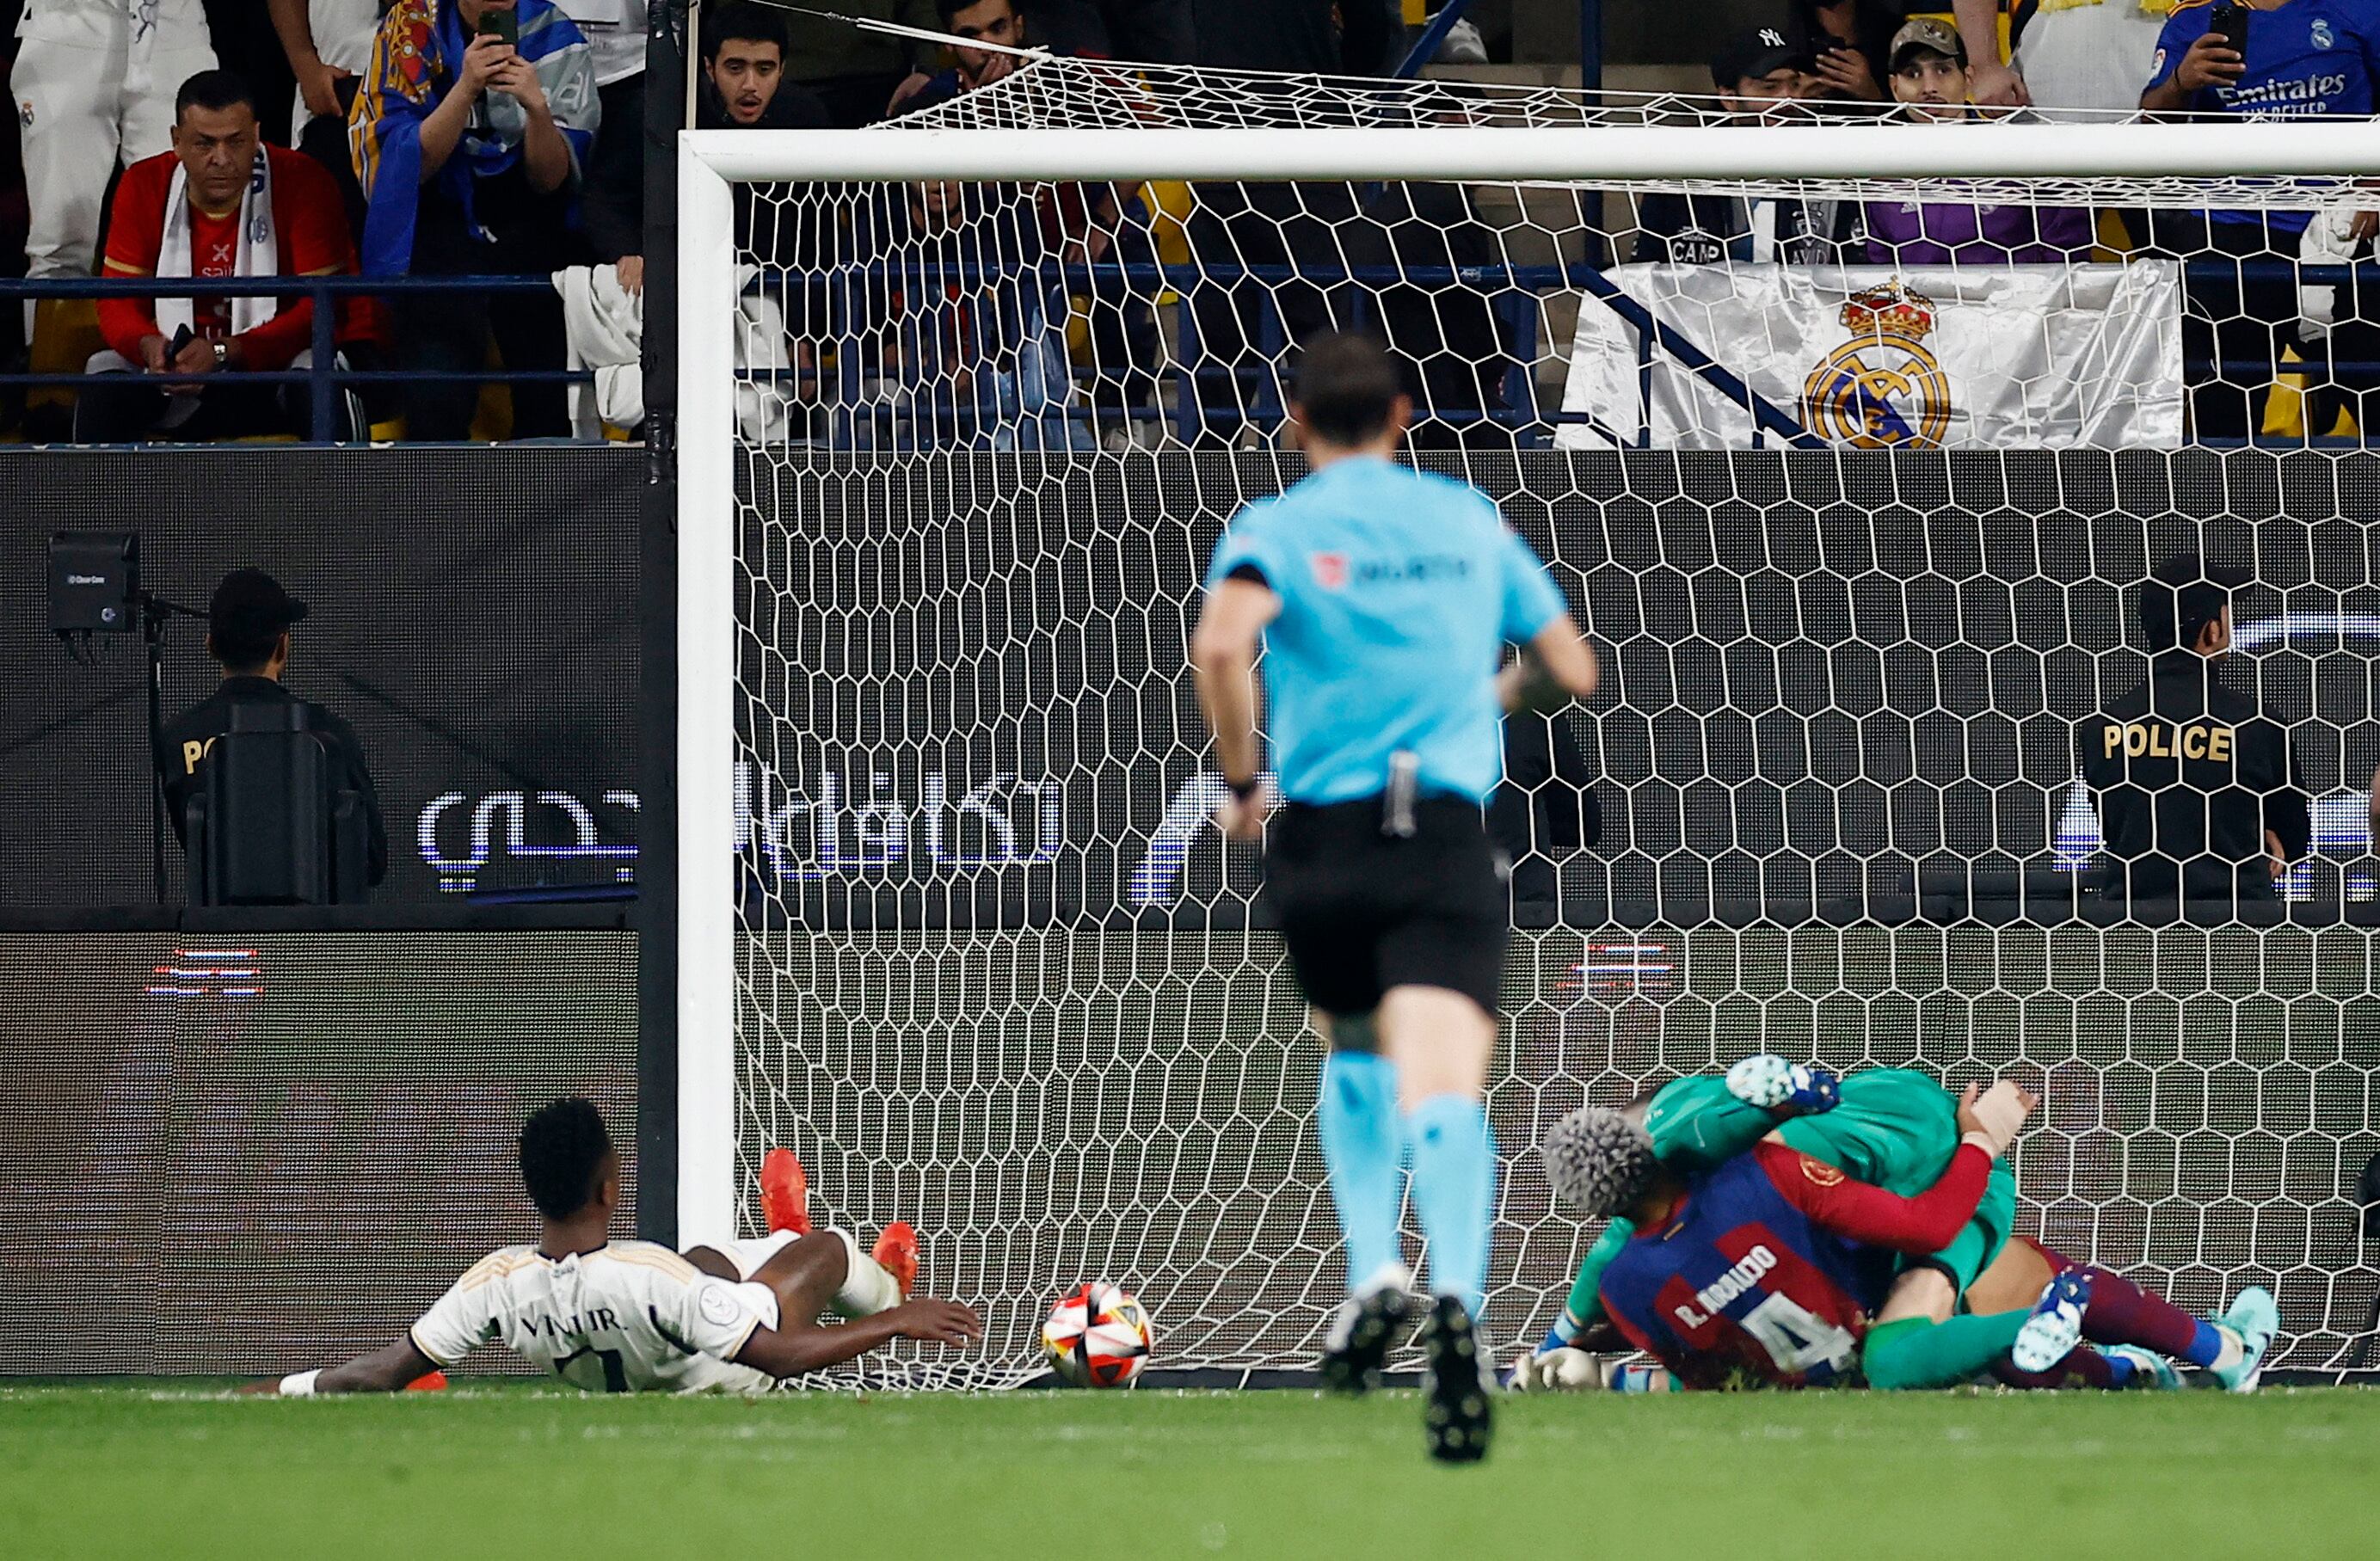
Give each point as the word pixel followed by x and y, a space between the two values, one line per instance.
pixel 722 1084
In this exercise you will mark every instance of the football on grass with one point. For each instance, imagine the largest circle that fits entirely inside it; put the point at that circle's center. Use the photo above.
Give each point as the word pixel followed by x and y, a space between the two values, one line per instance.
pixel 1096 1336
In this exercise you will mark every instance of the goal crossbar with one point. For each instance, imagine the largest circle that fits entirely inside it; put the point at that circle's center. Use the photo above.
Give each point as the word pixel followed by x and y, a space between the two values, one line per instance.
pixel 1616 153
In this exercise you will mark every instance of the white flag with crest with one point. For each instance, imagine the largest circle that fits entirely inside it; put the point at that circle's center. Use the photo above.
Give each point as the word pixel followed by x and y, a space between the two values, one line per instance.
pixel 1874 356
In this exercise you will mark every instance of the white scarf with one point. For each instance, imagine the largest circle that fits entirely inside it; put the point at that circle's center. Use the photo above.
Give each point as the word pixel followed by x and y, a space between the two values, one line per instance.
pixel 259 252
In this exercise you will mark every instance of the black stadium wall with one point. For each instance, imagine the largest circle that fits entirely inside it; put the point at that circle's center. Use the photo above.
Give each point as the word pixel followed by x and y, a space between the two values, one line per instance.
pixel 247 1142
pixel 473 614
pixel 1838 687
pixel 252 1149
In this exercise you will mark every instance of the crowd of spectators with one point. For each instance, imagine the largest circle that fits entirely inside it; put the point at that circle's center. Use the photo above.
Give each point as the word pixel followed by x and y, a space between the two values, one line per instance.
pixel 473 137
pixel 2249 316
pixel 506 139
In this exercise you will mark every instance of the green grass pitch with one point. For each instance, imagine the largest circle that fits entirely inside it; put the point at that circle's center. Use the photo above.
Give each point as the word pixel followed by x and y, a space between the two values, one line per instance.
pixel 173 1469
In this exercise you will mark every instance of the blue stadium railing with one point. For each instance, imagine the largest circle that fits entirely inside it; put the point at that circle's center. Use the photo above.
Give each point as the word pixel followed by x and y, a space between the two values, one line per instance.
pixel 1433 34
pixel 325 378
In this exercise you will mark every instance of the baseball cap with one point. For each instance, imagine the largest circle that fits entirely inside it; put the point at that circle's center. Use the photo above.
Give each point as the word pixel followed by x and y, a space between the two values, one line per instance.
pixel 2182 595
pixel 1926 33
pixel 1756 51
pixel 249 608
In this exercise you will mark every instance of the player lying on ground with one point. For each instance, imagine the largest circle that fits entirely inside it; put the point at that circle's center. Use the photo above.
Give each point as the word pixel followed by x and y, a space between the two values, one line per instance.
pixel 1777 1268
pixel 632 1317
pixel 1894 1128
pixel 1768 1270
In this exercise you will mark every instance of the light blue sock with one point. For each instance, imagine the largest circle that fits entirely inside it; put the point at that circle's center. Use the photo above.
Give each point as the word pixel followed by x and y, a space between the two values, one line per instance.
pixel 1361 1145
pixel 1454 1191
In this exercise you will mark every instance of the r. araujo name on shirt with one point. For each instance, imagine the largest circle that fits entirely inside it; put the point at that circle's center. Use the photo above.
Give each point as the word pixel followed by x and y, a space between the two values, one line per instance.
pixel 1397 590
pixel 1713 1297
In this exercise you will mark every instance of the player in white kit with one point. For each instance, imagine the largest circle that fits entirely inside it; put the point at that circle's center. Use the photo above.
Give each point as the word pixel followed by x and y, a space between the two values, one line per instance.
pixel 633 1317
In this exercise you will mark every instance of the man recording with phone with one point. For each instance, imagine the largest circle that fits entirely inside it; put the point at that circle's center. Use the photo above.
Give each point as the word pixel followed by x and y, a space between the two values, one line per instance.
pixel 471 138
pixel 2268 60
pixel 1851 44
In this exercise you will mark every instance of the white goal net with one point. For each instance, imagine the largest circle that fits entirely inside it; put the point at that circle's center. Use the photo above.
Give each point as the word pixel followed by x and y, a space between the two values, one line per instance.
pixel 1851 443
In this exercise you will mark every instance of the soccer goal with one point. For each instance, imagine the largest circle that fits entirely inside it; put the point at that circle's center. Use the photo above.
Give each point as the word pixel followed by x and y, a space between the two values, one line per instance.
pixel 1854 501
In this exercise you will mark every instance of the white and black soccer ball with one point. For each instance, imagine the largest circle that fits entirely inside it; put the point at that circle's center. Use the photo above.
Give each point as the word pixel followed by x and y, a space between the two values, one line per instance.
pixel 1097 1335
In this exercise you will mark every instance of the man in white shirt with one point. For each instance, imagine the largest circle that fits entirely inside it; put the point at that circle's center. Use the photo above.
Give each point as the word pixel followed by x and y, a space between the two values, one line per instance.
pixel 328 42
pixel 95 81
pixel 633 1317
pixel 2077 59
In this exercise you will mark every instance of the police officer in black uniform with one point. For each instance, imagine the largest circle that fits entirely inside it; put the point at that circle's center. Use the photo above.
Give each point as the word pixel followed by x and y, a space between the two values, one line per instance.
pixel 2200 797
pixel 247 630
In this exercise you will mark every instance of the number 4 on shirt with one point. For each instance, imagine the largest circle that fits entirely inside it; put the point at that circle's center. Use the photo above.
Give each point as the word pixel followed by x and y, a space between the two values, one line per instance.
pixel 1797 1340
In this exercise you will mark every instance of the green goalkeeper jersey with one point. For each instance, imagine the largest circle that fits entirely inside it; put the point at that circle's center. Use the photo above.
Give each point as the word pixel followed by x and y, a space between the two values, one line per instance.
pixel 1894 1128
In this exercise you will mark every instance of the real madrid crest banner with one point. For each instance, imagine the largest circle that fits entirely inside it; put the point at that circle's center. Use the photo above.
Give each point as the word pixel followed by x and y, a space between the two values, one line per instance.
pixel 1874 357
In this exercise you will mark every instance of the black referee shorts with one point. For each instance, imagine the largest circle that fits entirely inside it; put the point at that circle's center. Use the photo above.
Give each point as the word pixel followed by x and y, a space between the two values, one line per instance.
pixel 1362 911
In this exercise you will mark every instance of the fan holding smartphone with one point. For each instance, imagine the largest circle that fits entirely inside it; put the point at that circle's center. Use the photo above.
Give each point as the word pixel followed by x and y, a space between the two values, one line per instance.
pixel 2264 60
pixel 495 51
pixel 2212 63
pixel 2267 59
pixel 470 140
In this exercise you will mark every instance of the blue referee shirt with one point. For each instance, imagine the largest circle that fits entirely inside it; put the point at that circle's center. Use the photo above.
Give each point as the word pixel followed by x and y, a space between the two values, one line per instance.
pixel 1397 590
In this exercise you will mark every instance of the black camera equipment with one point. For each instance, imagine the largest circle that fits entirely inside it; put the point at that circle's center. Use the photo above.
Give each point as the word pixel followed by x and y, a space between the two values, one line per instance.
pixel 95 589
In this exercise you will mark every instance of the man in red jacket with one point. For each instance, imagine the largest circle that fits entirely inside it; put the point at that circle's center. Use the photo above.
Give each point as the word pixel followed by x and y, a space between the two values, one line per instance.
pixel 223 204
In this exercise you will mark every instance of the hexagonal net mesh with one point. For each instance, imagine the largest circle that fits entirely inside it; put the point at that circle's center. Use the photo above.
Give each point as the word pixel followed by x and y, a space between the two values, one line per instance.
pixel 995 974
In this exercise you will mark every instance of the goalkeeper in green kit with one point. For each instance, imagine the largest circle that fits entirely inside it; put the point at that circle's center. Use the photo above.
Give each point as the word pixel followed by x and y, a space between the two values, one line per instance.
pixel 1897 1129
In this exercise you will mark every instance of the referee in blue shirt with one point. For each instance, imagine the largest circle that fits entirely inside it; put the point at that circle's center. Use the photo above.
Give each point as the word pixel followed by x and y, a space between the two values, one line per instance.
pixel 1383 599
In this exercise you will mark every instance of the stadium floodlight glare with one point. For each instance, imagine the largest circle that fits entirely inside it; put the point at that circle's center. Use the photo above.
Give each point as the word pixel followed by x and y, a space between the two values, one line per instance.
pixel 869 660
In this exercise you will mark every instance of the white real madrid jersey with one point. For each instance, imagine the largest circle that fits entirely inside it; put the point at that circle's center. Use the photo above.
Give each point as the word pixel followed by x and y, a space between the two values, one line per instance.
pixel 630 1317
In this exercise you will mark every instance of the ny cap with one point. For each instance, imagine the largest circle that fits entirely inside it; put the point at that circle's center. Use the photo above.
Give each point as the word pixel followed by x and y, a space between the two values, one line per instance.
pixel 2182 595
pixel 251 607
pixel 1926 33
pixel 1756 51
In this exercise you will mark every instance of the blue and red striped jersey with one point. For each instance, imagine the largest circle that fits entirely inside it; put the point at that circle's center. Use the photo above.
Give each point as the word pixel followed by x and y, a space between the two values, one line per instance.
pixel 1769 1270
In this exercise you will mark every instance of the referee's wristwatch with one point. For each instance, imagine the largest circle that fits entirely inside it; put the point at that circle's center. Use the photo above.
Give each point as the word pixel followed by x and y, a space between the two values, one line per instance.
pixel 223 353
